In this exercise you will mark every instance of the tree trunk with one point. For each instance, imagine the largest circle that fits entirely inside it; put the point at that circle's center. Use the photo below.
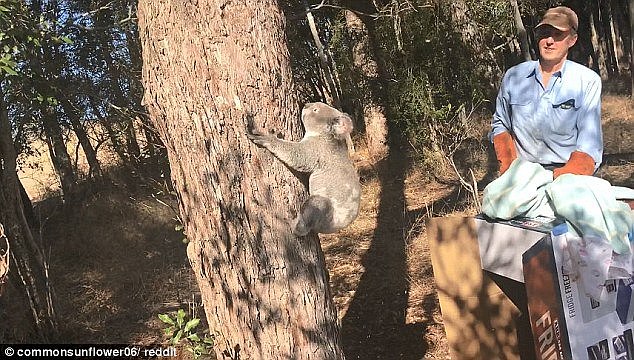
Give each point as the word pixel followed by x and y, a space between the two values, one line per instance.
pixel 28 264
pixel 333 90
pixel 369 87
pixel 608 36
pixel 485 64
pixel 58 152
pixel 597 45
pixel 112 134
pixel 521 31
pixel 211 70
pixel 82 137
pixel 631 7
pixel 616 33
pixel 120 104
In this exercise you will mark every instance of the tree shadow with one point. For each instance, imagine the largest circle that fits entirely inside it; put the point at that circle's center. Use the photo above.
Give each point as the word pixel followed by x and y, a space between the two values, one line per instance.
pixel 116 263
pixel 374 326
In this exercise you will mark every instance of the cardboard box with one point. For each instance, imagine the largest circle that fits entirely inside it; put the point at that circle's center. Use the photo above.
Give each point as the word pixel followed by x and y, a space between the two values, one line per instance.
pixel 567 324
pixel 477 266
pixel 502 243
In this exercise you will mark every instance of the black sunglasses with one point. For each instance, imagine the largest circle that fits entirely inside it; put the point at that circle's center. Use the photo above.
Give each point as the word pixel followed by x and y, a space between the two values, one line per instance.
pixel 543 32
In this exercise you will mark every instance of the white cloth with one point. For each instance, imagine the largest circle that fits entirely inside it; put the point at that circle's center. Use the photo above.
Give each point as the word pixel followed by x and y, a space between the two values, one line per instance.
pixel 586 203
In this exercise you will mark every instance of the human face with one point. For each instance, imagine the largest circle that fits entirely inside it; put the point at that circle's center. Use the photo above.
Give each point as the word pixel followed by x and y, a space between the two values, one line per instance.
pixel 554 44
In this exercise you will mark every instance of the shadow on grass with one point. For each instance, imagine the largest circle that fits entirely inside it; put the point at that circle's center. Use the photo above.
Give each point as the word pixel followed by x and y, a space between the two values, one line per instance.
pixel 116 262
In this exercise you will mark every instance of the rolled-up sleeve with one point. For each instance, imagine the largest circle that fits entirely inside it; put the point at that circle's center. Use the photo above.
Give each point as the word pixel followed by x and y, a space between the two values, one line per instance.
pixel 501 118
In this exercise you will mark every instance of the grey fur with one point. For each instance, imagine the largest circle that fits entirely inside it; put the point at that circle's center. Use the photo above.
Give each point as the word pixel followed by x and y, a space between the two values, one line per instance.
pixel 333 184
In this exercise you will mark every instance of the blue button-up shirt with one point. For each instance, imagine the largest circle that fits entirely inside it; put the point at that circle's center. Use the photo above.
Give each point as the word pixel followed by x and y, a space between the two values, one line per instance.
pixel 549 122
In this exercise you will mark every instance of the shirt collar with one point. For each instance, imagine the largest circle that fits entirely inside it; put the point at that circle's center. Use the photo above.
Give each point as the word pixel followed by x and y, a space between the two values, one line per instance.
pixel 533 70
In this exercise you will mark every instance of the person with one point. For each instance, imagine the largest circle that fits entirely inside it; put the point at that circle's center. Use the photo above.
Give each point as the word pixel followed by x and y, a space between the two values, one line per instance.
pixel 549 111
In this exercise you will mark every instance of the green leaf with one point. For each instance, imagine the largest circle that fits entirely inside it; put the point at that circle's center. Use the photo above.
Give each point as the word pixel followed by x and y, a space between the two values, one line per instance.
pixel 209 340
pixel 180 317
pixel 178 336
pixel 66 40
pixel 8 70
pixel 166 319
pixel 4 9
pixel 168 331
pixel 191 324
pixel 199 350
pixel 194 337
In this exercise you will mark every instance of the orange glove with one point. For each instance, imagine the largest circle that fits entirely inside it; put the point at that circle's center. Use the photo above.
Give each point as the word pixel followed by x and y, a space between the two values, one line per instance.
pixel 504 150
pixel 579 163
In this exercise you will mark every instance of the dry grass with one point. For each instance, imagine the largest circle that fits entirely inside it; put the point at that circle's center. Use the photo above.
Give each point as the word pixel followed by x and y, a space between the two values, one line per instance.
pixel 117 262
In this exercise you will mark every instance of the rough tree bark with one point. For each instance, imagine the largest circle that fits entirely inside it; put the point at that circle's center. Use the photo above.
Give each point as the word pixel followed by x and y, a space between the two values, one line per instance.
pixel 211 69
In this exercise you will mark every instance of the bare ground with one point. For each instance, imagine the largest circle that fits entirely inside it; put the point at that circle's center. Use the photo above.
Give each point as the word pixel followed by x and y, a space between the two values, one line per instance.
pixel 118 261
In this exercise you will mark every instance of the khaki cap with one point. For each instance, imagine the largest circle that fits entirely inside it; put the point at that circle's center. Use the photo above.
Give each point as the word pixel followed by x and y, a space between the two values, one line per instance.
pixel 560 17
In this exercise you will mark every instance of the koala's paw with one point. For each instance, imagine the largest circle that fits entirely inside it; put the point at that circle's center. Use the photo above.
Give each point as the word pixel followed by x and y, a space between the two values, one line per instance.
pixel 298 227
pixel 258 138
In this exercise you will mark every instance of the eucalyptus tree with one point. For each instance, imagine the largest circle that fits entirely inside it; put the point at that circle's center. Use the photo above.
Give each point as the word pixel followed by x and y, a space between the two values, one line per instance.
pixel 210 71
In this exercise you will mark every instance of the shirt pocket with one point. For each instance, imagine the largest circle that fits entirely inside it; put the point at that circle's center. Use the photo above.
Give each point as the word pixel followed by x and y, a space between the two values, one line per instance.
pixel 522 106
pixel 563 116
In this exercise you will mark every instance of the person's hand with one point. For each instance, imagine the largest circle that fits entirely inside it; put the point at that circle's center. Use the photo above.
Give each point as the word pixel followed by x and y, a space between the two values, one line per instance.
pixel 579 163
pixel 504 150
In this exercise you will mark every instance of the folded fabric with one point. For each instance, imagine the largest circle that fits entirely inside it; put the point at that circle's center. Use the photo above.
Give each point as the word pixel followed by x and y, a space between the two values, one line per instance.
pixel 586 203
pixel 520 191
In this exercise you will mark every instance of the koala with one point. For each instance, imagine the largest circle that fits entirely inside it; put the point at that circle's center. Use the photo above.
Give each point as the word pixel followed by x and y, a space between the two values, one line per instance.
pixel 333 184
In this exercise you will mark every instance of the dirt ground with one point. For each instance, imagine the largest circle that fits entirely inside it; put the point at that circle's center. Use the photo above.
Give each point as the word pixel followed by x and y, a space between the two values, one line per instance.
pixel 119 261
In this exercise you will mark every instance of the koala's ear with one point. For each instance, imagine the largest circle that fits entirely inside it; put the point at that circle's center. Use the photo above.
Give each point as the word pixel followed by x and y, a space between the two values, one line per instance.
pixel 344 125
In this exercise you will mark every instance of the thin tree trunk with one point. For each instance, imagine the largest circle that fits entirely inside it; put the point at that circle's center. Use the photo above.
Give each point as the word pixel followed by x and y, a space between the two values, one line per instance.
pixel 521 31
pixel 28 263
pixel 616 33
pixel 121 102
pixel 82 137
pixel 631 7
pixel 211 70
pixel 112 134
pixel 323 60
pixel 369 86
pixel 599 50
pixel 485 63
pixel 59 154
pixel 608 37
pixel 133 148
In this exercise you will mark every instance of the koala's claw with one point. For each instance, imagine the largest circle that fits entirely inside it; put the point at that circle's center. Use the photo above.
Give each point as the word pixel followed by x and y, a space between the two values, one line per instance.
pixel 257 138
